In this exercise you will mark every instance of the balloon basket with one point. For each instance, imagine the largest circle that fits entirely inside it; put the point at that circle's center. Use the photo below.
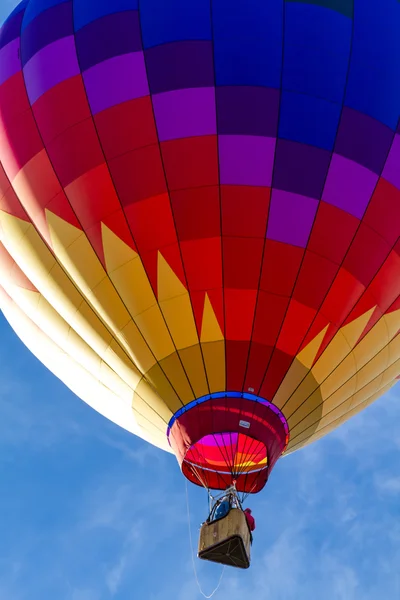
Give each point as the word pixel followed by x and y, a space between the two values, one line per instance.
pixel 226 541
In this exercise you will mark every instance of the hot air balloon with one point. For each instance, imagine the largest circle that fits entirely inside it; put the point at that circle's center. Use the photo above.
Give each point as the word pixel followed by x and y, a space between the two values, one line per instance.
pixel 200 216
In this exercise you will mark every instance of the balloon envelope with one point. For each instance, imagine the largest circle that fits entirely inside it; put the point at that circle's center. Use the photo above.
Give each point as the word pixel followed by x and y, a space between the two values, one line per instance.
pixel 200 216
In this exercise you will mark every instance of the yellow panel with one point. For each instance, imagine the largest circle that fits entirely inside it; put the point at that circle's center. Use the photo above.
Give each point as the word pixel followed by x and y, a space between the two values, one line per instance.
pixel 307 356
pixel 299 422
pixel 65 367
pixel 214 360
pixel 126 271
pixel 168 284
pixel 391 373
pixel 75 252
pixel 210 329
pixel 376 339
pixel 305 390
pixel 296 444
pixel 154 331
pixel 139 350
pixel 12 229
pixel 58 331
pixel 157 378
pixel 293 378
pixel 192 360
pixel 148 403
pixel 343 342
pixel 70 245
pixel 334 367
pixel 178 314
pixel 392 321
pixel 173 369
pixel 373 368
pixel 151 430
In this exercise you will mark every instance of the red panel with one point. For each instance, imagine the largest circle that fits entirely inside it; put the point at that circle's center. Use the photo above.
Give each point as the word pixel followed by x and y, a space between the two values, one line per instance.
pixel 93 196
pixel 20 144
pixel 151 223
pixel 239 313
pixel 342 297
pixel 13 100
pixel 116 221
pixel 61 207
pixel 75 152
pixel 332 232
pixel 138 175
pixel 197 213
pixel 383 214
pixel 383 291
pixel 366 255
pixel 278 367
pixel 242 262
pixel 297 322
pixel 236 353
pixel 270 312
pixel 319 323
pixel 202 261
pixel 315 278
pixel 9 202
pixel 280 267
pixel 191 162
pixel 259 358
pixel 60 108
pixel 244 210
pixel 126 127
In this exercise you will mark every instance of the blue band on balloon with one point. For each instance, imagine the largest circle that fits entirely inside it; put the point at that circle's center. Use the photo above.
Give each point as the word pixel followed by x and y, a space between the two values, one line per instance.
pixel 217 395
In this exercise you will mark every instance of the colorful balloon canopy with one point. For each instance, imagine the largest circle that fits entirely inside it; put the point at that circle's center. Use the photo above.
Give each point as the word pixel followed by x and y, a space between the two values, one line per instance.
pixel 200 215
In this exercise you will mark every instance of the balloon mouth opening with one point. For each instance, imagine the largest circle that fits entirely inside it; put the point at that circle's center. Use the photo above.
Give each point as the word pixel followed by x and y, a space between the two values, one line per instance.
pixel 227 437
pixel 228 456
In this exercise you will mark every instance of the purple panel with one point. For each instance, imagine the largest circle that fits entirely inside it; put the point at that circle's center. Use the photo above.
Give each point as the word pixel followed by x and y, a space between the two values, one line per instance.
pixel 180 65
pixel 300 169
pixel 116 80
pixel 363 139
pixel 291 218
pixel 185 113
pixel 349 186
pixel 247 110
pixel 51 25
pixel 112 35
pixel 391 172
pixel 52 65
pixel 246 160
pixel 9 61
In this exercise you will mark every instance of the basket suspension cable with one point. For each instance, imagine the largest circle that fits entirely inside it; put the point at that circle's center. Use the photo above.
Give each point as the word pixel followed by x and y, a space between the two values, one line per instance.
pixel 192 553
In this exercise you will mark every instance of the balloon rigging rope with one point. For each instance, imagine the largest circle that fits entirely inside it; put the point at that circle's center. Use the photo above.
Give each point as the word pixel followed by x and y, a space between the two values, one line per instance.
pixel 193 560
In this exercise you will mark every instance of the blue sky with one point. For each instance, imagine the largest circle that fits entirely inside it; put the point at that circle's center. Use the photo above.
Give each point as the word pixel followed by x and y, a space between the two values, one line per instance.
pixel 88 512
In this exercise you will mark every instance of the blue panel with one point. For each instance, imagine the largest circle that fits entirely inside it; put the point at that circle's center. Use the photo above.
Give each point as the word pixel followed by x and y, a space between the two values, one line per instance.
pixel 36 7
pixel 166 21
pixel 316 53
pixel 19 8
pixel 248 42
pixel 86 11
pixel 11 28
pixel 309 120
pixel 374 81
